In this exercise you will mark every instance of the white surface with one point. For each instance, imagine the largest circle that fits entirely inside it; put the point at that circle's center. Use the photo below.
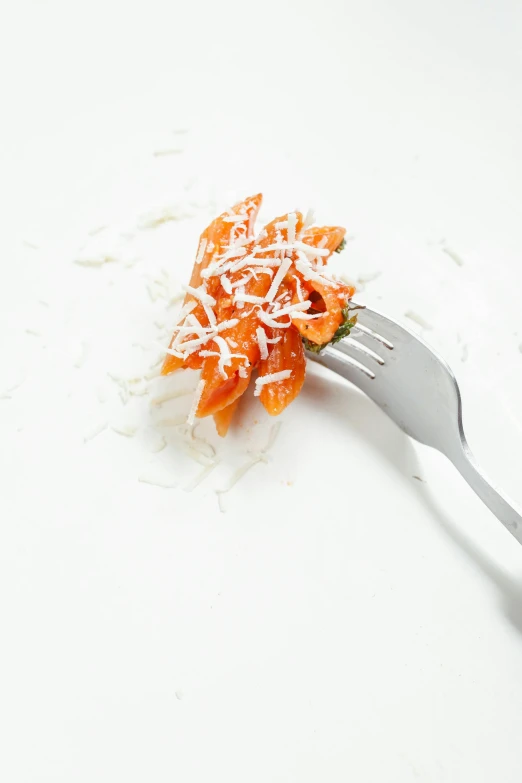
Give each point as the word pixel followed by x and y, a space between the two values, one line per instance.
pixel 354 624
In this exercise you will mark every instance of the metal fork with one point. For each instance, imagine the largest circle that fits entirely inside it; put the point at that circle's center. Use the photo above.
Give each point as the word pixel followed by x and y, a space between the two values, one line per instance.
pixel 418 391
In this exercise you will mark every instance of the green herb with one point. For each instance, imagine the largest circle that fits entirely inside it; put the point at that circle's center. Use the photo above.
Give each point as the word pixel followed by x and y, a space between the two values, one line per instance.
pixel 343 331
pixel 341 246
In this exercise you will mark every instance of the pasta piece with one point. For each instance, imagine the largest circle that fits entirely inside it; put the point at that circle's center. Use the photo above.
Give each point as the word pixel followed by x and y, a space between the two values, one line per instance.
pixel 223 418
pixel 286 354
pixel 221 392
pixel 214 241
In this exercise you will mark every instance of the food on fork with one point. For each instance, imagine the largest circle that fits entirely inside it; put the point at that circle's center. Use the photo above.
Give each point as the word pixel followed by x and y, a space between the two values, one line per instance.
pixel 254 302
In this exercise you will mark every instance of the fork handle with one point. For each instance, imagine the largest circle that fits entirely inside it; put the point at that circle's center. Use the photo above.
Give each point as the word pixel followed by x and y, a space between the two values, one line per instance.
pixel 496 502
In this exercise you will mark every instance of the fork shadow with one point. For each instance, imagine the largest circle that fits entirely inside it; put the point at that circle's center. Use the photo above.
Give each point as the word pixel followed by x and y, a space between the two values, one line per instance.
pixel 363 416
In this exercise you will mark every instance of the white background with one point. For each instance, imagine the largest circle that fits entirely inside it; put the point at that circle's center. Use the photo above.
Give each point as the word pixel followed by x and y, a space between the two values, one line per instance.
pixel 353 623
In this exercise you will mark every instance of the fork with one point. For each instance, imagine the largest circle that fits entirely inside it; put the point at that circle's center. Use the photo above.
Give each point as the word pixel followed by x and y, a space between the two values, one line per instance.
pixel 416 388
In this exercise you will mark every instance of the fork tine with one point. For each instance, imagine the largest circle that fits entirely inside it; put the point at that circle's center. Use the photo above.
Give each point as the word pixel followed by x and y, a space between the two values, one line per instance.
pixel 349 344
pixel 364 330
pixel 333 356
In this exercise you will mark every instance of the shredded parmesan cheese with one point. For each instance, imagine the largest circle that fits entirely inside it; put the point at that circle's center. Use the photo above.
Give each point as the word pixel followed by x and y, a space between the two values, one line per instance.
pixel 226 284
pixel 273 377
pixel 202 475
pixel 269 321
pixel 302 265
pixel 96 430
pixel 309 219
pixel 195 402
pixel 201 251
pixel 6 394
pixel 262 342
pixel 239 473
pixel 171 421
pixel 128 430
pixel 157 481
pixel 200 293
pixel 292 221
pixel 278 279
pixel 170 396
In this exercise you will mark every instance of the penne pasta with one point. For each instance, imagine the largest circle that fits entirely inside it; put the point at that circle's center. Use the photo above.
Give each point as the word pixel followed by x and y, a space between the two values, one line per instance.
pixel 251 303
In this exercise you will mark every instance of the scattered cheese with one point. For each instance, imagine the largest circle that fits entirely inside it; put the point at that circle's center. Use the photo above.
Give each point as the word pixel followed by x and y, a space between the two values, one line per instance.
pixel 6 394
pixel 201 251
pixel 278 279
pixel 302 265
pixel 309 219
pixel 128 430
pixel 226 284
pixel 95 261
pixel 171 421
pixel 96 430
pixel 157 481
pixel 454 256
pixel 173 395
pixel 201 476
pixel 292 221
pixel 261 341
pixel 273 377
pixel 413 316
pixel 200 293
pixel 309 250
pixel 195 402
pixel 239 473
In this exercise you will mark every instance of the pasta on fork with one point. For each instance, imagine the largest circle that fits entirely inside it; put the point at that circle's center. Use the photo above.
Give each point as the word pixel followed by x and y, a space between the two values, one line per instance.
pixel 253 303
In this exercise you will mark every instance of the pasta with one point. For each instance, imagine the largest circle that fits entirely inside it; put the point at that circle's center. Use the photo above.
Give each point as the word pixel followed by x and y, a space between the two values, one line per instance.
pixel 254 303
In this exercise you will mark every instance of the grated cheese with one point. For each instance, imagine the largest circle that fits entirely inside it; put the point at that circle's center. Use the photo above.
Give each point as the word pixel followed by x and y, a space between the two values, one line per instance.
pixel 309 219
pixel 158 444
pixel 226 284
pixel 99 261
pixel 201 476
pixel 306 316
pixel 233 218
pixel 128 430
pixel 195 402
pixel 242 297
pixel 302 265
pixel 274 432
pixel 96 430
pixel 273 377
pixel 413 316
pixel 292 221
pixel 200 293
pixel 454 256
pixel 201 251
pixel 269 321
pixel 170 396
pixel 278 279
pixel 298 288
pixel 237 298
pixel 309 250
pixel 6 394
pixel 262 342
pixel 239 473
pixel 228 324
pixel 210 315
pixel 292 308
pixel 171 421
pixel 157 482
